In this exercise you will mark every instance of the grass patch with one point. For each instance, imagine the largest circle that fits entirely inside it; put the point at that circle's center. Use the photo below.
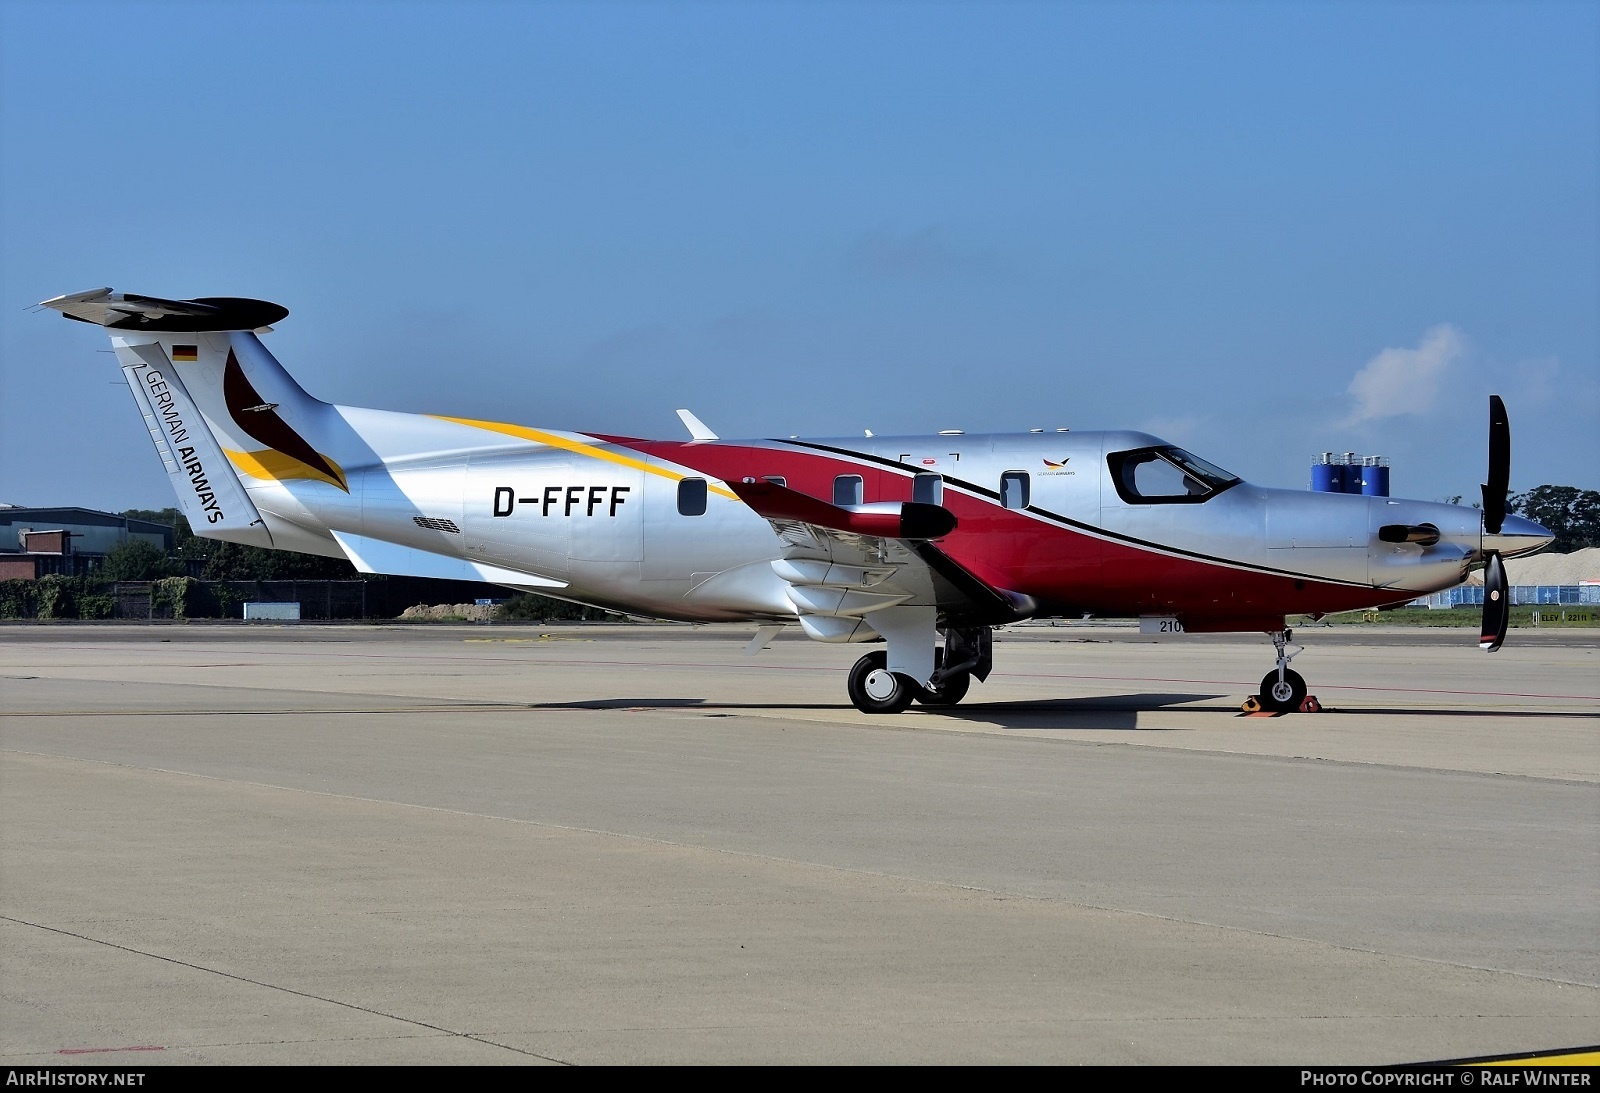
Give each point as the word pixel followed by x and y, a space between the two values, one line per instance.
pixel 1465 617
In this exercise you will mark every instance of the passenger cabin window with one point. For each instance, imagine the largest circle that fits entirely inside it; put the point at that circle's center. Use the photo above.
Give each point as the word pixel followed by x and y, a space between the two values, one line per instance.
pixel 848 490
pixel 1014 489
pixel 928 489
pixel 1166 476
pixel 692 497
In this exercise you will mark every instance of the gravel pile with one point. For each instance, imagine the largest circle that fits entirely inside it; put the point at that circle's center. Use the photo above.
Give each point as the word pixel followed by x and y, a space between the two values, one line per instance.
pixel 1580 565
pixel 477 612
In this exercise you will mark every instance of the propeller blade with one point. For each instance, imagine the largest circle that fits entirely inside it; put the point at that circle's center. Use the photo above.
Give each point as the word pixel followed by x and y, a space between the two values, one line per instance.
pixel 1494 490
pixel 1496 605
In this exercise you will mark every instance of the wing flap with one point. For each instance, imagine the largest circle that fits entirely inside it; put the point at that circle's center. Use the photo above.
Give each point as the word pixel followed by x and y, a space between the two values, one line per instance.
pixel 845 564
pixel 890 519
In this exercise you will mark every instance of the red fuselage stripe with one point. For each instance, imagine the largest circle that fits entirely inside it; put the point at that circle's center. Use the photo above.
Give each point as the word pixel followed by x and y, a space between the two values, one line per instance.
pixel 1067 569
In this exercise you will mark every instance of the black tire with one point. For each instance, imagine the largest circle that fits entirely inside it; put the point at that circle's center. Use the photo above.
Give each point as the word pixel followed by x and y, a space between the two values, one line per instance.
pixel 1286 703
pixel 893 691
pixel 953 691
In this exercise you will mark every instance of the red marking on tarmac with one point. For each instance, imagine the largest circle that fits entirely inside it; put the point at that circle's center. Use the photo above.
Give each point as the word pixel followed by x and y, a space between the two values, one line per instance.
pixel 845 668
pixel 97 1050
pixel 1012 675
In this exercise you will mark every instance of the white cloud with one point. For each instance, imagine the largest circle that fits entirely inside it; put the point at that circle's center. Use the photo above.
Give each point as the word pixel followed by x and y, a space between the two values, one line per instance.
pixel 1405 381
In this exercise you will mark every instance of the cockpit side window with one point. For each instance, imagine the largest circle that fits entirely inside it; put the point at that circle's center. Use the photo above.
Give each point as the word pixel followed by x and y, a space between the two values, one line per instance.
pixel 1014 489
pixel 1166 476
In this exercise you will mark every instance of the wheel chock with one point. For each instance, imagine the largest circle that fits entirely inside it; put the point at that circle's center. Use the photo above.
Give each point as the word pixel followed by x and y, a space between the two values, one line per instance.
pixel 1252 704
pixel 1310 705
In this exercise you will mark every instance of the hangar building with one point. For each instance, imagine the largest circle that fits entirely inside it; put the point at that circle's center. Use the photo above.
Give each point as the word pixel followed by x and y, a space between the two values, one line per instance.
pixel 71 541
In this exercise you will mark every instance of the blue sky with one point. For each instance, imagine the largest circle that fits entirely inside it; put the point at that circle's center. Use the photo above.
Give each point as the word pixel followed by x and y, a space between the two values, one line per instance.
pixel 1261 230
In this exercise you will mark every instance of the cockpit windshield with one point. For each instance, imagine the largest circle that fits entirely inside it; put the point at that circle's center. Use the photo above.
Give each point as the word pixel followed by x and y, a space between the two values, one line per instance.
pixel 1166 475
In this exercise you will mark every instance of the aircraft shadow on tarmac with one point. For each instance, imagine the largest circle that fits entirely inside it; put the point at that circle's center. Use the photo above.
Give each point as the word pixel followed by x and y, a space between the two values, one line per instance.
pixel 1104 711
pixel 1098 712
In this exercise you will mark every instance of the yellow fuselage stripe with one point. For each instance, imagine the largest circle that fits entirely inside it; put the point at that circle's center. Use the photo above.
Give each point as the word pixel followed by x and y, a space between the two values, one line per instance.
pixel 577 447
pixel 1581 1058
pixel 271 465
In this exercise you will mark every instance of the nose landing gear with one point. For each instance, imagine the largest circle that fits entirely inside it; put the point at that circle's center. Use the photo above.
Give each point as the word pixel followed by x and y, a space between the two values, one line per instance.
pixel 1283 694
pixel 1283 690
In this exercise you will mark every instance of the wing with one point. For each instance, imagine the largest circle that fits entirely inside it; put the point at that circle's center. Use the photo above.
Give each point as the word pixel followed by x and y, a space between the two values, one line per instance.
pixel 844 563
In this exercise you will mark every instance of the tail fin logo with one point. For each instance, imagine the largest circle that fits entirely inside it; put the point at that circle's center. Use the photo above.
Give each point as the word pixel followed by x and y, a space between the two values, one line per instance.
pixel 287 455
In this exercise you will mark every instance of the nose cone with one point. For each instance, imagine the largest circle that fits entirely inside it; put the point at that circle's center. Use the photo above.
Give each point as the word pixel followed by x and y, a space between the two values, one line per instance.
pixel 1518 535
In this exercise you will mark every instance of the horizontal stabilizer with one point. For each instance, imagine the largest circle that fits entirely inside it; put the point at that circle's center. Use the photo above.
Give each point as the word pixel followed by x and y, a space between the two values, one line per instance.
pixel 376 556
pixel 125 311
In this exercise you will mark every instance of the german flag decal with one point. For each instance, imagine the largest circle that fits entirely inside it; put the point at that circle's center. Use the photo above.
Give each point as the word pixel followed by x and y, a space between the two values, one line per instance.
pixel 181 353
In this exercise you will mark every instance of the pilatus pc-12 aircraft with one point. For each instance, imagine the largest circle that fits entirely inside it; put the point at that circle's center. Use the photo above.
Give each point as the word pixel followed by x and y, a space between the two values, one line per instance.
pixel 925 543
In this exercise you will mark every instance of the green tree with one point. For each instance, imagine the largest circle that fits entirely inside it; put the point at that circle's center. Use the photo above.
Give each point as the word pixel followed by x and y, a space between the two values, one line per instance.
pixel 19 599
pixel 58 596
pixel 233 562
pixel 530 607
pixel 135 560
pixel 1572 514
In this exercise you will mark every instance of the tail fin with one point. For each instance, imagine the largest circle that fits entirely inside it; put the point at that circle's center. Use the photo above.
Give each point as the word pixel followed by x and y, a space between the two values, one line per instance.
pixel 216 402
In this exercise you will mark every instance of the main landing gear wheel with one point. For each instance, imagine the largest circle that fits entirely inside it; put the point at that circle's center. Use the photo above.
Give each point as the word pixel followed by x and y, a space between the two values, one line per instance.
pixel 949 692
pixel 875 689
pixel 953 691
pixel 1282 695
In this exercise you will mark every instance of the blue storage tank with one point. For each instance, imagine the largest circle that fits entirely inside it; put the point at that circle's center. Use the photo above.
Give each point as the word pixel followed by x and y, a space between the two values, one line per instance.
pixel 1375 479
pixel 1326 478
pixel 1350 473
